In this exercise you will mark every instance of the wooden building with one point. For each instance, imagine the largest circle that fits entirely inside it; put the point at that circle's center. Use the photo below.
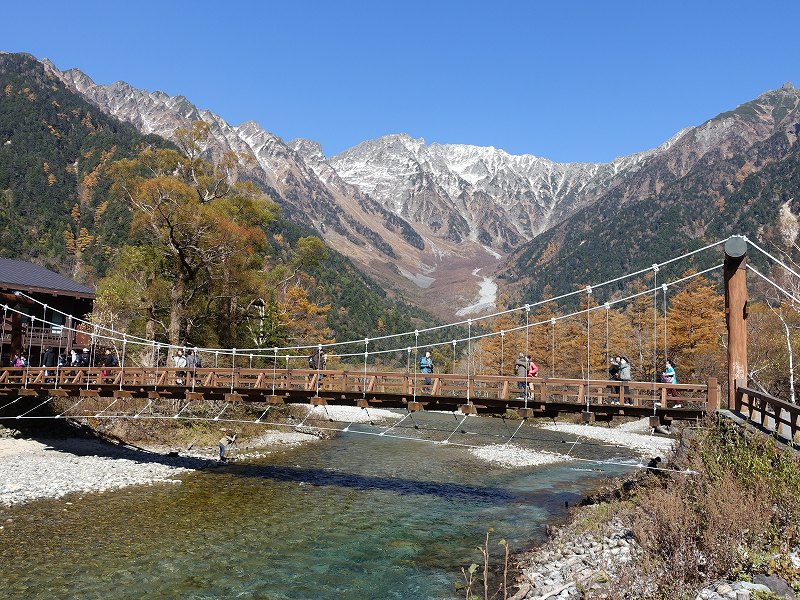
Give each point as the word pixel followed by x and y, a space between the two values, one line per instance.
pixel 29 327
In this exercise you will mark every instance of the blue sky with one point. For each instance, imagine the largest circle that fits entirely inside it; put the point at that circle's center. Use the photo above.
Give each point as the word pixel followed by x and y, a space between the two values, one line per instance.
pixel 571 80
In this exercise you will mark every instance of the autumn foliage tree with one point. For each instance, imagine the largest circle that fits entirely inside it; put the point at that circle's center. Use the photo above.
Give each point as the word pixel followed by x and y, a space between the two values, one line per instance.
pixel 206 230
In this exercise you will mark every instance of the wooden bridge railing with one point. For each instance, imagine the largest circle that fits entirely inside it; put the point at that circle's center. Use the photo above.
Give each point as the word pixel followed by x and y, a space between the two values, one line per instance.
pixel 770 412
pixel 474 388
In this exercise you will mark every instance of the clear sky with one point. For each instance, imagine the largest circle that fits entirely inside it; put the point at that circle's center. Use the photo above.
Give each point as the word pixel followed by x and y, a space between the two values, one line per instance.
pixel 569 80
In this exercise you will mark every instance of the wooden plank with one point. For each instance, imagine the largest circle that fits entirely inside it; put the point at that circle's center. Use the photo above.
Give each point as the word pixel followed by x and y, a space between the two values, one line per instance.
pixel 414 406
pixel 190 396
pixel 234 397
pixel 317 401
pixel 468 409
pixel 122 394
pixel 89 393
pixel 275 400
pixel 27 392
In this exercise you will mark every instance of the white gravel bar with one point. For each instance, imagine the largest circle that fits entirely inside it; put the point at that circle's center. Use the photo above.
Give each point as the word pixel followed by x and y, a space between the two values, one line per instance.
pixel 30 470
pixel 646 444
pixel 351 414
pixel 511 456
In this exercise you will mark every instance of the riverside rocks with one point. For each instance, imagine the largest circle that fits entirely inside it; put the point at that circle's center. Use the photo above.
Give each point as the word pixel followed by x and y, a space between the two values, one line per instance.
pixel 573 564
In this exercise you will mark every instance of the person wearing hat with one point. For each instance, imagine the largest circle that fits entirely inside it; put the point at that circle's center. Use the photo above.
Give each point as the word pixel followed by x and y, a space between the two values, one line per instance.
pixel 226 440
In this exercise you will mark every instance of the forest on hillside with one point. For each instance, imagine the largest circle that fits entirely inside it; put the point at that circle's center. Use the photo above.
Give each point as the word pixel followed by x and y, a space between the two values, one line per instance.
pixel 63 204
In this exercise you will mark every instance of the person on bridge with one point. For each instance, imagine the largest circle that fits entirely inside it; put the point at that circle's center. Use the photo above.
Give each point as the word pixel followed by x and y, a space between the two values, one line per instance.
pixel 109 361
pixel 50 360
pixel 613 375
pixel 521 370
pixel 426 366
pixel 625 377
pixel 533 370
pixel 227 440
pixel 180 363
pixel 669 376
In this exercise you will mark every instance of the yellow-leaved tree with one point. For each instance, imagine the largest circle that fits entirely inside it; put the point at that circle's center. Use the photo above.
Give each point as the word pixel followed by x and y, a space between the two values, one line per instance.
pixel 695 328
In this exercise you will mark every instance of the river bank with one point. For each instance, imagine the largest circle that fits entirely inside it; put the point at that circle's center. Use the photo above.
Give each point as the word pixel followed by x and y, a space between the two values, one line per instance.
pixel 667 531
pixel 53 468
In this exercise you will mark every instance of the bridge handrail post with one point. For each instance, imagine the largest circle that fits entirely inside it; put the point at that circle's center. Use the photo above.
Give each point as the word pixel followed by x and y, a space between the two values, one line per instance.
pixel 712 395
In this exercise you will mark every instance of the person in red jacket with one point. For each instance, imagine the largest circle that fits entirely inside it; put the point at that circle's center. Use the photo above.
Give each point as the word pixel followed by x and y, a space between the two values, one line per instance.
pixel 533 370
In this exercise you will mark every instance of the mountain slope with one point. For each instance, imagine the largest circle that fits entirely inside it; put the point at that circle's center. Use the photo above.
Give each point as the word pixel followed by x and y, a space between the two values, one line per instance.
pixel 732 175
pixel 56 209
pixel 53 149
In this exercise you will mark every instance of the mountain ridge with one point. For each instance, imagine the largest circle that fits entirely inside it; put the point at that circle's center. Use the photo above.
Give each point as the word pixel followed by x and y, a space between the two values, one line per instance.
pixel 421 217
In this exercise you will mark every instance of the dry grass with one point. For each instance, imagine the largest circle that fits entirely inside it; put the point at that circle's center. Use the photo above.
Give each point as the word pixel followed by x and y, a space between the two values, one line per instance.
pixel 735 516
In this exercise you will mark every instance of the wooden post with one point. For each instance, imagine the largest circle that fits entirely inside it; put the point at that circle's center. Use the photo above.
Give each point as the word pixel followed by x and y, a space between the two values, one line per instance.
pixel 713 395
pixel 736 314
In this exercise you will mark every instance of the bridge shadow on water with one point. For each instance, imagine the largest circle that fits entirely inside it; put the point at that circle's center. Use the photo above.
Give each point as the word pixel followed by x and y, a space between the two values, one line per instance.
pixel 69 437
pixel 395 485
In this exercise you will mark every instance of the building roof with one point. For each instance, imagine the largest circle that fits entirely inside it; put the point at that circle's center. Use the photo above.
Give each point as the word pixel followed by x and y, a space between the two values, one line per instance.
pixel 25 276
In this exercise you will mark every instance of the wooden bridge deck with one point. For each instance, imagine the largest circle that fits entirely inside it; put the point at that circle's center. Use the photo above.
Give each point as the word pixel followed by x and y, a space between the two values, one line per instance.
pixel 476 394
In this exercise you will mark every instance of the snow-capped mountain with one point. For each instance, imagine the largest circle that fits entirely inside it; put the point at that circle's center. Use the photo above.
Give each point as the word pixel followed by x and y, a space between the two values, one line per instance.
pixel 433 220
pixel 476 193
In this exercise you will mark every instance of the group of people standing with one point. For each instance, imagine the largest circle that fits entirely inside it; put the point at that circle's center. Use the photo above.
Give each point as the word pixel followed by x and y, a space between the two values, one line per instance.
pixel 525 367
pixel 620 370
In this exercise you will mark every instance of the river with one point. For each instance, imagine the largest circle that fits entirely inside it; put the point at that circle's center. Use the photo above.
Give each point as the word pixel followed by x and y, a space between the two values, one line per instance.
pixel 358 516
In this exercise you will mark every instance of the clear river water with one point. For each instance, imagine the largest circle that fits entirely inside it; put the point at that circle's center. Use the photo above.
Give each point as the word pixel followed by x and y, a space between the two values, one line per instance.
pixel 358 516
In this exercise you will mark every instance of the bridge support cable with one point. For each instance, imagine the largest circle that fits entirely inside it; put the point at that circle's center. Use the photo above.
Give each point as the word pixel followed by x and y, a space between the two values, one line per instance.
pixel 655 336
pixel 274 368
pixel 233 369
pixel 114 335
pixel 508 441
pixel 49 398
pixel 416 364
pixel 17 399
pixel 527 350
pixel 30 347
pixel 124 349
pixel 107 408
pixel 146 406
pixel 553 347
pixel 224 408
pixel 366 354
pixel 607 306
pixel 3 339
pixel 447 440
pixel 783 290
pixel 502 351
pixel 157 357
pixel 319 367
pixel 41 338
pixel 63 414
pixel 664 309
pixel 59 360
pixel 588 338
pixel 397 423
pixel 469 358
pixel 178 414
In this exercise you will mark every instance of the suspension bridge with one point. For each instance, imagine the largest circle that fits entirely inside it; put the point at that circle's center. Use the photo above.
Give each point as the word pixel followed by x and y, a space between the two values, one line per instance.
pixel 140 387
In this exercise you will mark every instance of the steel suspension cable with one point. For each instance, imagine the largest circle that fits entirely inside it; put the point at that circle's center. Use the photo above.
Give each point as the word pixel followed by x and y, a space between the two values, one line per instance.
pixel 655 331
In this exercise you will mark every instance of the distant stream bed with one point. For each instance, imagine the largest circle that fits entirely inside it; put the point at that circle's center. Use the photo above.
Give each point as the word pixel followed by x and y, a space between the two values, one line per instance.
pixel 359 516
